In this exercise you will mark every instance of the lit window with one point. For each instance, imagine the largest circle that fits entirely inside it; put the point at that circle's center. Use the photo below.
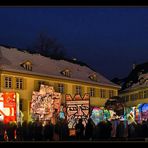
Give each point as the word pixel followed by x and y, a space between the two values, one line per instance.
pixel 141 95
pixel 111 93
pixel 102 93
pixel 127 98
pixel 19 83
pixel 66 73
pixel 8 82
pixel 27 65
pixel 134 97
pixel 60 88
pixel 78 90
pixel 92 92
pixel 93 77
pixel 146 94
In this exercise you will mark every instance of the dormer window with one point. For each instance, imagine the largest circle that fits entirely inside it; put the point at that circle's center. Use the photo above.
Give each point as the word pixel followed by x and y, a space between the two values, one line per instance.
pixel 93 77
pixel 66 73
pixel 129 84
pixel 141 80
pixel 27 65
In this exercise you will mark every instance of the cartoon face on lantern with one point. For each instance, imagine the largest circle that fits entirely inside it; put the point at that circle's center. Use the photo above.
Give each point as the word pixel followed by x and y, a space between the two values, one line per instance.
pixel 77 110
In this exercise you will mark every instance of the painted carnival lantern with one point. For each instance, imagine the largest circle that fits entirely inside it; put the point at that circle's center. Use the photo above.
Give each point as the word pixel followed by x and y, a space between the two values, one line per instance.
pixel 9 107
pixel 77 108
pixel 45 104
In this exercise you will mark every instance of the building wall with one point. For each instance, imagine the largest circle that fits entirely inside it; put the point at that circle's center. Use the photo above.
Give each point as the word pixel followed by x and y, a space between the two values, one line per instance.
pixel 31 83
pixel 140 96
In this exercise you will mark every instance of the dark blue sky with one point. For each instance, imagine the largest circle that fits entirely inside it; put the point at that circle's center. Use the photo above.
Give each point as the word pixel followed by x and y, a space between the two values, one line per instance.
pixel 109 39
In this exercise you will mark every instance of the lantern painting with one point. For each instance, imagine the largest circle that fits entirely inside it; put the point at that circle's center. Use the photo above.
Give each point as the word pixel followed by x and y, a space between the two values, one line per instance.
pixel 77 108
pixel 45 104
pixel 9 107
pixel 143 110
pixel 97 115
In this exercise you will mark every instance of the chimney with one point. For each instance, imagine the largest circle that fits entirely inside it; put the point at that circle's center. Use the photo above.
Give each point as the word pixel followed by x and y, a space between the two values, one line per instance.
pixel 134 66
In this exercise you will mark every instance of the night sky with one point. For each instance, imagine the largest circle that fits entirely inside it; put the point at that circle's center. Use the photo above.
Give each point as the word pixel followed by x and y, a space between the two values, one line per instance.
pixel 109 39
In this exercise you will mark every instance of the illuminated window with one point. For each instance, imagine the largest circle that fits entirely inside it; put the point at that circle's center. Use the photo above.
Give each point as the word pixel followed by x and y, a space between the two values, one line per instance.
pixel 111 93
pixel 145 94
pixel 129 84
pixel 141 81
pixel 127 98
pixel 92 92
pixel 78 90
pixel 141 95
pixel 8 82
pixel 134 97
pixel 27 65
pixel 93 77
pixel 102 93
pixel 61 88
pixel 19 83
pixel 66 73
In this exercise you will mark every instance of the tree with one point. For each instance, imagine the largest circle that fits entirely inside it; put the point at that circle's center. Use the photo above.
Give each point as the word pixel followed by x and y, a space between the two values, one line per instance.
pixel 48 46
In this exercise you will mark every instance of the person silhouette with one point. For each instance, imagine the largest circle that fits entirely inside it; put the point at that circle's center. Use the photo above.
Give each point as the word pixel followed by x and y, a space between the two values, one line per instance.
pixel 79 130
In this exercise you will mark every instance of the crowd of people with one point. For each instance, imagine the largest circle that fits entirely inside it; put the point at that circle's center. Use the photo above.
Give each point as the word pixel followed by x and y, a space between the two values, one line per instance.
pixel 104 130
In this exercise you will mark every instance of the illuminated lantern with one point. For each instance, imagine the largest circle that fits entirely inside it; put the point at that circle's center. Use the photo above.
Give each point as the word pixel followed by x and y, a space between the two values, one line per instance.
pixel 8 107
pixel 143 110
pixel 97 115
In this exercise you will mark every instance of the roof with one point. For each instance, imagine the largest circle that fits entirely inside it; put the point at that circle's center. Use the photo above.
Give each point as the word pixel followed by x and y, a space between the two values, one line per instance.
pixel 134 78
pixel 12 58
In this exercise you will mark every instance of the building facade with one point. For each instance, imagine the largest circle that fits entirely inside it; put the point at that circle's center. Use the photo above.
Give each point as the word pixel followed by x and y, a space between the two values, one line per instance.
pixel 135 87
pixel 22 72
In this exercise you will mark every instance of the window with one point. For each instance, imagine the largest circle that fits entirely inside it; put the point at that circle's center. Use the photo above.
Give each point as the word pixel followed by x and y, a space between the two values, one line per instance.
pixel 27 65
pixel 145 94
pixel 66 73
pixel 93 77
pixel 134 97
pixel 19 83
pixel 78 90
pixel 102 93
pixel 129 83
pixel 141 81
pixel 92 92
pixel 141 95
pixel 111 93
pixel 127 98
pixel 8 82
pixel 61 88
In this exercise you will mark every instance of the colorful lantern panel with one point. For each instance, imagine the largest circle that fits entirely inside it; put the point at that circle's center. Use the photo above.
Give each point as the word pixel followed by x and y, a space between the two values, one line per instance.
pixel 143 109
pixel 77 108
pixel 45 104
pixel 8 108
pixel 97 115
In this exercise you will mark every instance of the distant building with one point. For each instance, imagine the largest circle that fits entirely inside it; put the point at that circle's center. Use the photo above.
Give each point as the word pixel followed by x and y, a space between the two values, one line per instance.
pixel 135 87
pixel 23 73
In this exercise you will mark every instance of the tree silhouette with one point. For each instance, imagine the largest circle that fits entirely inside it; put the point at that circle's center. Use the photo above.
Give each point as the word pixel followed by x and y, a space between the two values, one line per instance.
pixel 48 46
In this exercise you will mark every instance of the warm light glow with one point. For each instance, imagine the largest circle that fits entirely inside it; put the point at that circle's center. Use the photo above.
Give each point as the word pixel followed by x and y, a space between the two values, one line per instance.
pixel 7 107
